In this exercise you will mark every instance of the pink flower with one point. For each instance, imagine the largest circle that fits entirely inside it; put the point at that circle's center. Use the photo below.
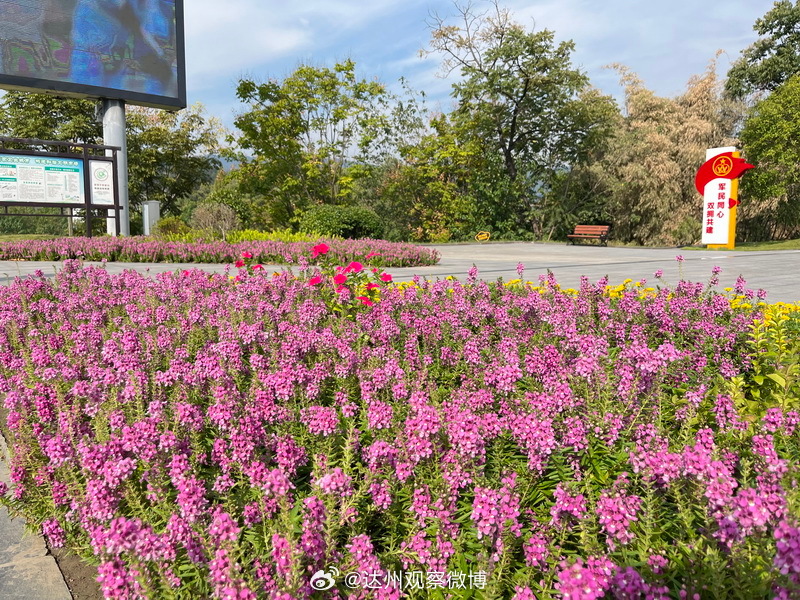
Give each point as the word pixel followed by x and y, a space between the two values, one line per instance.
pixel 316 280
pixel 372 286
pixel 386 277
pixel 354 267
pixel 365 301
pixel 258 267
pixel 247 255
pixel 340 279
pixel 371 254
pixel 319 249
pixel 239 264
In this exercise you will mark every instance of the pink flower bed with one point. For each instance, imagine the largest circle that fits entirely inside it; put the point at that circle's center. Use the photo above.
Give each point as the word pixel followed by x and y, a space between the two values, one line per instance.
pixel 142 249
pixel 201 437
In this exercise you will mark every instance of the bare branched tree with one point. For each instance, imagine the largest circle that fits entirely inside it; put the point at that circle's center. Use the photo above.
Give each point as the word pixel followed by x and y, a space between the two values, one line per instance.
pixel 215 217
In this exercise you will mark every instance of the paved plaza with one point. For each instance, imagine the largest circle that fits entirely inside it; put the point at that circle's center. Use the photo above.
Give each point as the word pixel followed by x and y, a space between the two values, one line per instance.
pixel 778 272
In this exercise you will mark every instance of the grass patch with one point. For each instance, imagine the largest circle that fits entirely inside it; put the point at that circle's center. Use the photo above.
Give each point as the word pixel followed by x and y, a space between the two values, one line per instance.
pixel 19 237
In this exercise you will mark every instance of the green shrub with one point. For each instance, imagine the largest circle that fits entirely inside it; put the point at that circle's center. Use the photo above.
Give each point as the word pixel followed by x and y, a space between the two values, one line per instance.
pixel 170 226
pixel 279 235
pixel 192 236
pixel 350 222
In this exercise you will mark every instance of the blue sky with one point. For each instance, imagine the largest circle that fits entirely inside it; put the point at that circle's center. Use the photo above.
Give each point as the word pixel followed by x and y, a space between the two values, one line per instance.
pixel 665 43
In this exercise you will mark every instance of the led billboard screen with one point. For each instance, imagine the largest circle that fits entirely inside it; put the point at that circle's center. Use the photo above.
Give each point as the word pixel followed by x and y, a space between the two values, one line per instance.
pixel 130 50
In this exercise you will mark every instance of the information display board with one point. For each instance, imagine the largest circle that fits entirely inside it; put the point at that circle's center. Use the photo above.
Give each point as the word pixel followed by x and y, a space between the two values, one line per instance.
pixel 40 179
pixel 63 175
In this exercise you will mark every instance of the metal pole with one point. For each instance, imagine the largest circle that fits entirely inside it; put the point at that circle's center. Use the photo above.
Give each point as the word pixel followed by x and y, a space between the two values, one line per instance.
pixel 87 191
pixel 114 135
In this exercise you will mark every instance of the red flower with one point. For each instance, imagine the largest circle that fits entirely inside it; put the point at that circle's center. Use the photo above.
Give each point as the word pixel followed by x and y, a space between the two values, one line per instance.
pixel 340 279
pixel 365 301
pixel 354 267
pixel 386 277
pixel 239 263
pixel 247 255
pixel 258 268
pixel 371 254
pixel 319 249
pixel 316 280
pixel 372 286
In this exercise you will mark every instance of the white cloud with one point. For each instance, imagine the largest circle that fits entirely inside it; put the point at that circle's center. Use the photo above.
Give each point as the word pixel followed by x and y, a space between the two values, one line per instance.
pixel 665 43
pixel 222 44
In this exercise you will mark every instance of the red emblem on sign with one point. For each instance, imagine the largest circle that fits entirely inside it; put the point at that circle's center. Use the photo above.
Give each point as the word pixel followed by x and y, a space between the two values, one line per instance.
pixel 722 165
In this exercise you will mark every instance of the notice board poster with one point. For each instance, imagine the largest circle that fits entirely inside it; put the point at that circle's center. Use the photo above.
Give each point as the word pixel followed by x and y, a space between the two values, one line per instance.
pixel 102 179
pixel 41 179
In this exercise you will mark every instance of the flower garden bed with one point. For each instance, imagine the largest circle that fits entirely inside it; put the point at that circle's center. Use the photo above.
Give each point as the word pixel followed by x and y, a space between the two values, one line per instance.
pixel 143 249
pixel 197 436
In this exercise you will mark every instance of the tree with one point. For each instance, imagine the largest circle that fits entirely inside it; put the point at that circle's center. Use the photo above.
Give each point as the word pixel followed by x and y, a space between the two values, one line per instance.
pixel 645 177
pixel 774 57
pixel 254 211
pixel 428 195
pixel 170 154
pixel 46 117
pixel 303 132
pixel 520 96
pixel 771 192
pixel 215 217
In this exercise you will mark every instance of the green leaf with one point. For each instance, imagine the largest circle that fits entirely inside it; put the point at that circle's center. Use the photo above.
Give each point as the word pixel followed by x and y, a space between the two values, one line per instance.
pixel 779 379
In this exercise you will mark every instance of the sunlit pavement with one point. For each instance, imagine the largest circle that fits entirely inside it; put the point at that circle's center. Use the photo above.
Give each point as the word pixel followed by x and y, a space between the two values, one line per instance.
pixel 777 272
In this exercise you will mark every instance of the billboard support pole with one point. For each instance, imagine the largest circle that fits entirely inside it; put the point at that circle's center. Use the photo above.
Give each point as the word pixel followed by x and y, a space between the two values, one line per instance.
pixel 114 135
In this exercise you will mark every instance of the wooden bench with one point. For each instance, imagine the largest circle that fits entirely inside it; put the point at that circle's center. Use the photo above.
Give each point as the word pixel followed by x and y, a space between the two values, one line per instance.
pixel 590 232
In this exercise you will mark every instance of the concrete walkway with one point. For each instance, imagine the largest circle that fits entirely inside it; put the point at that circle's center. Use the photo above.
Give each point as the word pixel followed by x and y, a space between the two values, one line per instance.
pixel 27 570
pixel 777 272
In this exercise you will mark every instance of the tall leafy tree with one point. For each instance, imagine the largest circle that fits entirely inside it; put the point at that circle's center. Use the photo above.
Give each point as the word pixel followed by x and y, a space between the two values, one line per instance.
pixel 774 57
pixel 46 117
pixel 645 177
pixel 771 192
pixel 300 134
pixel 427 195
pixel 170 154
pixel 521 97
